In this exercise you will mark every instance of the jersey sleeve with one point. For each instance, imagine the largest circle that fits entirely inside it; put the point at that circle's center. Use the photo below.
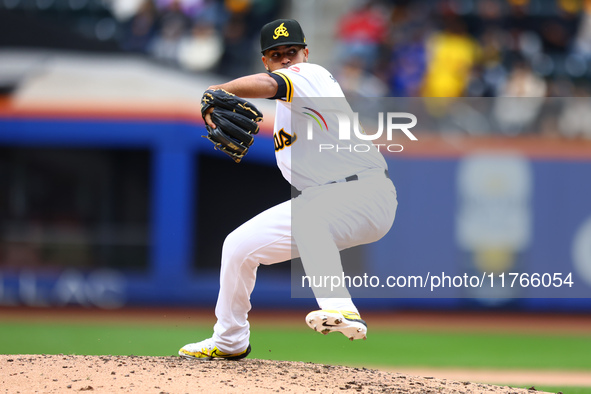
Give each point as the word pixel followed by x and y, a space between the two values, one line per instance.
pixel 308 80
pixel 285 86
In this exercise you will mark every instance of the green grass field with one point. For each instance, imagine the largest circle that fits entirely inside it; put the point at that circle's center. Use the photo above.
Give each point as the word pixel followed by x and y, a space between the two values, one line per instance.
pixel 382 349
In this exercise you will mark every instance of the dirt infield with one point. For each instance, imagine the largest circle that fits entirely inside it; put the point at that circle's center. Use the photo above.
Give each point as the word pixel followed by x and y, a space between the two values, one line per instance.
pixel 47 374
pixel 115 374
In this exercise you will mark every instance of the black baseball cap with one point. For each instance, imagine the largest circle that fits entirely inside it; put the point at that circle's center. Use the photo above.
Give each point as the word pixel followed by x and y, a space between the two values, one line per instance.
pixel 282 32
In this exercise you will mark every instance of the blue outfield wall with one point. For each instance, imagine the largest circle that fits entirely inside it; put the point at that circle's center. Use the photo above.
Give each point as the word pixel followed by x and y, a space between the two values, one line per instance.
pixel 424 239
pixel 423 242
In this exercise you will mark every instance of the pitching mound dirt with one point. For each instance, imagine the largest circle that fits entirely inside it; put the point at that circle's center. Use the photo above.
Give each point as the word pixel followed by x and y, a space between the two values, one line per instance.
pixel 113 374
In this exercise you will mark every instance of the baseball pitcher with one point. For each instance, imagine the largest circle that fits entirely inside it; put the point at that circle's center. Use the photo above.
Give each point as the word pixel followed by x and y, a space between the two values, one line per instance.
pixel 346 198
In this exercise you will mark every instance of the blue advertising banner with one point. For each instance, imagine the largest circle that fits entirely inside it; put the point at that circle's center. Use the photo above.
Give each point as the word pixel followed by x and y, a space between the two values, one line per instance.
pixel 490 228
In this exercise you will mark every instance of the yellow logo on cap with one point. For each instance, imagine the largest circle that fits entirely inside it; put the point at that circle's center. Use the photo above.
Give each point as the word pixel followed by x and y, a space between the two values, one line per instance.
pixel 281 31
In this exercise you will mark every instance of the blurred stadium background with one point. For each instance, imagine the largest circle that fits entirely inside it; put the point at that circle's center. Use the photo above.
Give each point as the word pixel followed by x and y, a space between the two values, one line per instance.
pixel 108 191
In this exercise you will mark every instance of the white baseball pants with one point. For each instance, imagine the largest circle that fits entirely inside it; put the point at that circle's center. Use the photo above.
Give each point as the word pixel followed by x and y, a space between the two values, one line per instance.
pixel 324 219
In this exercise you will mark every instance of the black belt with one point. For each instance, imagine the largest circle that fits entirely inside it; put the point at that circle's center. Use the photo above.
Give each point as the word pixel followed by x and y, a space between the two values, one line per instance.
pixel 295 192
pixel 355 178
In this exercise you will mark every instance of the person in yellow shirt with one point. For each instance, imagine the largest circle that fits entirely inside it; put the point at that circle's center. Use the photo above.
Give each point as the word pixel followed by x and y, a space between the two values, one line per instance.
pixel 451 55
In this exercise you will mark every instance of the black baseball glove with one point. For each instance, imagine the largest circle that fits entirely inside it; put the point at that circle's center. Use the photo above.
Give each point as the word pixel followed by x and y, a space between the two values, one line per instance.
pixel 235 119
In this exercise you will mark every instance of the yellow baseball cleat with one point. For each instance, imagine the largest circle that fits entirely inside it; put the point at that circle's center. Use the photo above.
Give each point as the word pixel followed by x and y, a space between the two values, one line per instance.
pixel 207 350
pixel 348 323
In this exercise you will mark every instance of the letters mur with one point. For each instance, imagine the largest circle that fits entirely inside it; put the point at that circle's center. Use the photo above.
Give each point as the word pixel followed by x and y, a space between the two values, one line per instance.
pixel 345 132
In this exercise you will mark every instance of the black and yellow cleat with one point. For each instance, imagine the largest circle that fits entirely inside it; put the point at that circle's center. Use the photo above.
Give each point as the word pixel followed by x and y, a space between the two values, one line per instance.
pixel 348 323
pixel 207 350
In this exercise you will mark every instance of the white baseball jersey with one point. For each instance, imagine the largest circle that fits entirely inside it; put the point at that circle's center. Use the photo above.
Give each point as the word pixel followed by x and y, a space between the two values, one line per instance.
pixel 310 160
pixel 322 220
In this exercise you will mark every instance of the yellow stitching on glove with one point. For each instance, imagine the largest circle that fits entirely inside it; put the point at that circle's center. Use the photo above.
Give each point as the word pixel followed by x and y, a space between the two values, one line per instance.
pixel 225 91
pixel 247 108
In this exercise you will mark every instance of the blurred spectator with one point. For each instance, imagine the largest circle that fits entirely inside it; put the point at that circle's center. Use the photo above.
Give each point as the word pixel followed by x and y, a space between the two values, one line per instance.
pixel 522 82
pixel 173 24
pixel 202 49
pixel 582 41
pixel 237 48
pixel 261 12
pixel 192 34
pixel 575 119
pixel 490 14
pixel 140 29
pixel 451 55
pixel 490 74
pixel 238 6
pixel 357 82
pixel 408 65
pixel 408 58
pixel 558 30
pixel 514 116
pixel 191 8
pixel 394 43
pixel 361 33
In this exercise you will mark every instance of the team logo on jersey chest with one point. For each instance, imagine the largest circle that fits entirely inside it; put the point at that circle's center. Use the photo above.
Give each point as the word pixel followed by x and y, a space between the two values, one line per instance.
pixel 280 31
pixel 283 139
